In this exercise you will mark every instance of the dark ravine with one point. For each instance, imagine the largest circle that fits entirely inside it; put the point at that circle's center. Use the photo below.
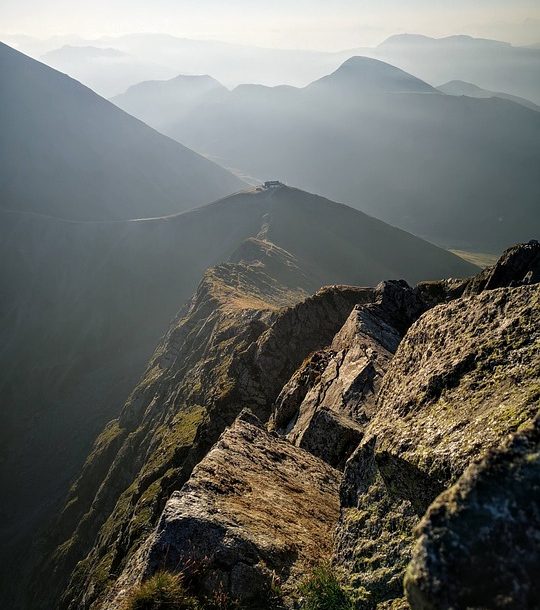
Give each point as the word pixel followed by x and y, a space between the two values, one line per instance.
pixel 387 395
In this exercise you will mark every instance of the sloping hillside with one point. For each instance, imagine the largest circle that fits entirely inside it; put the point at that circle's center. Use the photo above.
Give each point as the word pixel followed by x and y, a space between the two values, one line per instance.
pixel 68 153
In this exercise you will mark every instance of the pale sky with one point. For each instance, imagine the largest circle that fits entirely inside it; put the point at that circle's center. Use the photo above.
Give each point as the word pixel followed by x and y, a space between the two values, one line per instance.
pixel 316 24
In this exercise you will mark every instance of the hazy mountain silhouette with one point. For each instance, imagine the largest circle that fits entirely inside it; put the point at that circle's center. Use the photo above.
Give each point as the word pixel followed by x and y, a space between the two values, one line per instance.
pixel 491 64
pixel 86 302
pixel 459 171
pixel 162 56
pixel 363 75
pixel 160 102
pixel 67 152
pixel 106 70
pixel 458 87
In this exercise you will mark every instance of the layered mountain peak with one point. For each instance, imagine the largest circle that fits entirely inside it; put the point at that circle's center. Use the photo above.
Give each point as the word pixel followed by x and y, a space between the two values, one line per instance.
pixel 185 83
pixel 367 75
pixel 159 102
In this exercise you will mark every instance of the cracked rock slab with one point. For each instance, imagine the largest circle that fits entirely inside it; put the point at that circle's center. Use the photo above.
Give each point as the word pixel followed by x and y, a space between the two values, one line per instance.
pixel 256 509
pixel 479 544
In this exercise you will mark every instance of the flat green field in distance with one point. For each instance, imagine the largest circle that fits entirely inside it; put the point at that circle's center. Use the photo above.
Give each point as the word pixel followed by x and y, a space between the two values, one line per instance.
pixel 480 259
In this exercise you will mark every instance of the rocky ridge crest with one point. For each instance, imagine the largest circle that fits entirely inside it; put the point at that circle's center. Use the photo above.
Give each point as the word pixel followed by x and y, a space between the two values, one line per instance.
pixel 389 396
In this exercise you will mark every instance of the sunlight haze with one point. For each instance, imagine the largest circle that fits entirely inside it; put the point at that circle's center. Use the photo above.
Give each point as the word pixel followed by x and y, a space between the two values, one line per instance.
pixel 301 24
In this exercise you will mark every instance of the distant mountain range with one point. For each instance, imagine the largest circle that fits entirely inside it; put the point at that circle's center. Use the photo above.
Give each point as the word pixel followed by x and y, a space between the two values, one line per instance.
pixel 67 152
pixel 106 70
pixel 459 171
pixel 159 103
pixel 458 87
pixel 490 64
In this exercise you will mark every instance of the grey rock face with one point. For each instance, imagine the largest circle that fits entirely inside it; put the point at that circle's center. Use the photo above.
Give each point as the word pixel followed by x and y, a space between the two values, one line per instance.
pixel 330 436
pixel 479 544
pixel 337 387
pixel 374 535
pixel 518 266
pixel 463 378
pixel 255 509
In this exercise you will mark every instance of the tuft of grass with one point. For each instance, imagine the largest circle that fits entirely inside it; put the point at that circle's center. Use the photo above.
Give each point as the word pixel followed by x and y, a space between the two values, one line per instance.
pixel 322 590
pixel 162 591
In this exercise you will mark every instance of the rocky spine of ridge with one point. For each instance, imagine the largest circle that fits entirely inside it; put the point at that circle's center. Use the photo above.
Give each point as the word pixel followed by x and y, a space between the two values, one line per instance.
pixel 385 396
pixel 236 344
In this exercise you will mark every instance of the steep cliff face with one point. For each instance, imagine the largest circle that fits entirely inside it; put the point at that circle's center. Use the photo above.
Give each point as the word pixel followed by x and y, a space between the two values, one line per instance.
pixel 328 401
pixel 240 339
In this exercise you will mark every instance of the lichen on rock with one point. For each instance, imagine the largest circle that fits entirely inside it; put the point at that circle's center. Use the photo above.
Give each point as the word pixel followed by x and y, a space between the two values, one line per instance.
pixel 478 546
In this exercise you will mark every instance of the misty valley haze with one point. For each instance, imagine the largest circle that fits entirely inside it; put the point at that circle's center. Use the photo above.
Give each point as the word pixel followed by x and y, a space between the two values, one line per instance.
pixel 269 317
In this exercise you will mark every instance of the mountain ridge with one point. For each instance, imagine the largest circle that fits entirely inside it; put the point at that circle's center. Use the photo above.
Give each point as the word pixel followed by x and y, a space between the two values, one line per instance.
pixel 92 299
pixel 137 488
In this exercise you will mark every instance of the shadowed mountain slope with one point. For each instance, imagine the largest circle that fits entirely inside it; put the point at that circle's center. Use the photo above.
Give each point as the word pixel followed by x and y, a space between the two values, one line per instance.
pixel 456 170
pixel 86 303
pixel 68 153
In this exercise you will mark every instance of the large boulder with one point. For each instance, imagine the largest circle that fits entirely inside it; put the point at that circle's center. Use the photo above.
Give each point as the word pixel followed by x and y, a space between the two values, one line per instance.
pixel 464 377
pixel 256 511
pixel 328 401
pixel 518 266
pixel 479 544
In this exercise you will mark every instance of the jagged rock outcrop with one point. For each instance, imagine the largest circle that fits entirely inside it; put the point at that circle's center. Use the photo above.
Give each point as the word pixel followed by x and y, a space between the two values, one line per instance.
pixel 464 377
pixel 325 405
pixel 257 512
pixel 240 339
pixel 393 431
pixel 519 265
pixel 478 545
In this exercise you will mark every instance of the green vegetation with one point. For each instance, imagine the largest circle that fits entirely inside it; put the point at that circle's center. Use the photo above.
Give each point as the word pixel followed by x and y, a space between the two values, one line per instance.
pixel 324 591
pixel 163 591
